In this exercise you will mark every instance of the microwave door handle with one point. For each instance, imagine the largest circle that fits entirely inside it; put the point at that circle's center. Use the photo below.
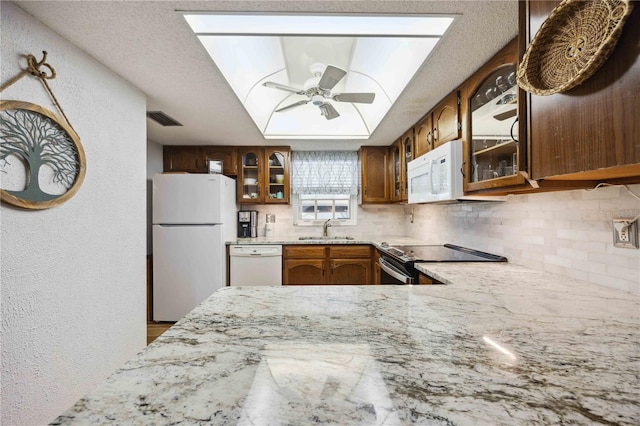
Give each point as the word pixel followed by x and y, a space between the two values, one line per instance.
pixel 394 272
pixel 432 177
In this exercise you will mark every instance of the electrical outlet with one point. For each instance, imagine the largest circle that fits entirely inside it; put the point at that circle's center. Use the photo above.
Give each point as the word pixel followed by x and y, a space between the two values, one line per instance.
pixel 625 233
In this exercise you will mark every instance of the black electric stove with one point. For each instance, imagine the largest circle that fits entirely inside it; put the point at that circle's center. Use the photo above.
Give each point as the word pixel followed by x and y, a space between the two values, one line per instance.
pixel 397 262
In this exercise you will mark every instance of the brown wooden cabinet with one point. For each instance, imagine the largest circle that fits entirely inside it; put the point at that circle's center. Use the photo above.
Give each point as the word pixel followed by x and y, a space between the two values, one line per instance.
pixel 327 265
pixel 179 158
pixel 228 156
pixel 304 271
pixel 446 121
pixel 426 279
pixel 277 175
pixel 491 109
pixel 438 126
pixel 395 171
pixel 423 135
pixel 350 271
pixel 591 131
pixel 373 165
pixel 263 175
pixel 399 154
pixel 407 155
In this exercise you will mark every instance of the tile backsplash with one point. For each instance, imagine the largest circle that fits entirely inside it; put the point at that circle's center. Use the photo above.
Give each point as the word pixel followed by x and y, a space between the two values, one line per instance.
pixel 564 232
pixel 372 220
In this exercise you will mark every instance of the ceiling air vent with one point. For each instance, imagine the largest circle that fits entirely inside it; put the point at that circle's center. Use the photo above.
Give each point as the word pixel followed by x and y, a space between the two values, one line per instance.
pixel 162 118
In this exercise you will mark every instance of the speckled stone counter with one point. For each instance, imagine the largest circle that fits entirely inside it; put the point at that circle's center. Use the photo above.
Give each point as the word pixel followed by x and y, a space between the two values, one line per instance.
pixel 392 240
pixel 524 348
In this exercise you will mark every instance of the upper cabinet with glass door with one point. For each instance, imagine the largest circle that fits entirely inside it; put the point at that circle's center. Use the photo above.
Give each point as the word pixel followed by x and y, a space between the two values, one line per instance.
pixel 263 175
pixel 492 133
pixel 395 171
pixel 277 175
pixel 407 152
pixel 250 176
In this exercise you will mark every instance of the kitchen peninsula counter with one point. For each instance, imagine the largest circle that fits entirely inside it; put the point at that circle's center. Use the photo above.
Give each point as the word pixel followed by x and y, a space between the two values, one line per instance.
pixel 497 346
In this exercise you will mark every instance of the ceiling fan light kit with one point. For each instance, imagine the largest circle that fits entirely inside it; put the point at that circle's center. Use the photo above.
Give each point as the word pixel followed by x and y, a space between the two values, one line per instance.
pixel 318 90
pixel 289 52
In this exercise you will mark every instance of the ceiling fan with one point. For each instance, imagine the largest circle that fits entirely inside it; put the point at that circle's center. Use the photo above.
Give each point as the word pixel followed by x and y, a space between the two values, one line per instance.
pixel 318 90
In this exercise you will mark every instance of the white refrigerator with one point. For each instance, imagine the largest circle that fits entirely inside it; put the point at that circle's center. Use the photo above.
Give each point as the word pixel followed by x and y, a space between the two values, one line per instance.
pixel 193 216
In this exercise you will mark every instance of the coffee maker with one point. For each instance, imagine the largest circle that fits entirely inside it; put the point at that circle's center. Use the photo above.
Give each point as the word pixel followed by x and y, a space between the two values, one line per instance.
pixel 248 224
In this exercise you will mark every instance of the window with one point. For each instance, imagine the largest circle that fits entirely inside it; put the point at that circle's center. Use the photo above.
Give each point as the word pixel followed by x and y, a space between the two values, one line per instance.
pixel 324 207
pixel 324 186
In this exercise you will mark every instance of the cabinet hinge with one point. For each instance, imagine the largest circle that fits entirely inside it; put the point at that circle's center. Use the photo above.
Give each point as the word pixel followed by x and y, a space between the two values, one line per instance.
pixel 459 100
pixel 459 126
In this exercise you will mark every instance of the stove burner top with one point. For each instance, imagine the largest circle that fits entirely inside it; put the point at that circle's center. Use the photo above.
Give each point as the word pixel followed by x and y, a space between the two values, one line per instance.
pixel 440 253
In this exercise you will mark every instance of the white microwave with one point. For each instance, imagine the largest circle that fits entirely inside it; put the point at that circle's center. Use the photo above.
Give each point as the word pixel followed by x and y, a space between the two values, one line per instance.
pixel 437 175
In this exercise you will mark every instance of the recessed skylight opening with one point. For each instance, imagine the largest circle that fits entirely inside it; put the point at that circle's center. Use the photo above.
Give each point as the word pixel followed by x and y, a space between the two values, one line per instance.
pixel 317 76
pixel 346 25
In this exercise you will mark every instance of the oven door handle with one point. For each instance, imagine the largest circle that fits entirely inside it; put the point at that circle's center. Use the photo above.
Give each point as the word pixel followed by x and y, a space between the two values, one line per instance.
pixel 398 275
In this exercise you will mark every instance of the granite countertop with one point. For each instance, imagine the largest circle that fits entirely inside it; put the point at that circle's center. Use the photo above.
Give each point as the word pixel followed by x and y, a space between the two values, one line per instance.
pixel 292 239
pixel 500 345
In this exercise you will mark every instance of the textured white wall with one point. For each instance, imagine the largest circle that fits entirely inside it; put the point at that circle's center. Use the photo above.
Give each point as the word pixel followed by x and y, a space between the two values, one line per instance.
pixel 568 232
pixel 73 277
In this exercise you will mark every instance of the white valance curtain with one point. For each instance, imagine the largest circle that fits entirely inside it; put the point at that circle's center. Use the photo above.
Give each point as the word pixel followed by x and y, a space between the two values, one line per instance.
pixel 325 172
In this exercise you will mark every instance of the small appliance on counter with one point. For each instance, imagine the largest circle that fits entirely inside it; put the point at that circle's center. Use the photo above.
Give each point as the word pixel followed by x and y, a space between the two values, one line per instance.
pixel 269 226
pixel 247 224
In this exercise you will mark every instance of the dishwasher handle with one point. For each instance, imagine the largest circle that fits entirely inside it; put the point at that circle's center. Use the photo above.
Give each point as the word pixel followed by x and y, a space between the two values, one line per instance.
pixel 255 250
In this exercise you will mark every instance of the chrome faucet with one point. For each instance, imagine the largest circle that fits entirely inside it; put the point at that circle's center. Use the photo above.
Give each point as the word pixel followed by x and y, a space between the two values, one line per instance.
pixel 325 228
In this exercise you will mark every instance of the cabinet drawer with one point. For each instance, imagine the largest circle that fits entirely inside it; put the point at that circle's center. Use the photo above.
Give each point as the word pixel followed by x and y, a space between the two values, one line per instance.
pixel 304 251
pixel 341 252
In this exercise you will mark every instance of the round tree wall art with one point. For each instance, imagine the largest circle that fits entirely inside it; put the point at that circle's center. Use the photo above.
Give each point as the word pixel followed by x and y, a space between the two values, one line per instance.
pixel 41 159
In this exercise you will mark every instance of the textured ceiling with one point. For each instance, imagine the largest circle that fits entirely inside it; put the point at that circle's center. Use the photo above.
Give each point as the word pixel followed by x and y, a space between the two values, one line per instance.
pixel 150 45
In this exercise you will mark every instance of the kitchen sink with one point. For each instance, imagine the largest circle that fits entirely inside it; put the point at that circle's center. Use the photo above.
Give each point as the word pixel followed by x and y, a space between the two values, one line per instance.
pixel 325 238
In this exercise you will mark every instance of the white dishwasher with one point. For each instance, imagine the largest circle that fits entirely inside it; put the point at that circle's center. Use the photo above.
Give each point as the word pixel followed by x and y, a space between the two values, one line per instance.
pixel 255 264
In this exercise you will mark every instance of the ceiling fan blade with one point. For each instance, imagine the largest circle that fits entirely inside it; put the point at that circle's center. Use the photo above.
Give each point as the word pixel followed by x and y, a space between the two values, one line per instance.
pixel 330 77
pixel 297 104
pixel 274 85
pixel 329 111
pixel 361 98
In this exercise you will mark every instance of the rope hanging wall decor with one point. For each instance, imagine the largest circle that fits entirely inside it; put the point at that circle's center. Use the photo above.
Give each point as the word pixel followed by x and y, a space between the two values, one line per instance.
pixel 40 154
pixel 572 43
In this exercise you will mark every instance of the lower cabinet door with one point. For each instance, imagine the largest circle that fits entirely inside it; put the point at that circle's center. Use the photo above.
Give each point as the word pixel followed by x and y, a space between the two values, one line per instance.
pixel 303 272
pixel 350 271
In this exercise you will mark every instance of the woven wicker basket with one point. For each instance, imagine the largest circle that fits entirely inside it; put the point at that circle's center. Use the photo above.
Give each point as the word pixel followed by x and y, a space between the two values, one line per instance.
pixel 572 43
